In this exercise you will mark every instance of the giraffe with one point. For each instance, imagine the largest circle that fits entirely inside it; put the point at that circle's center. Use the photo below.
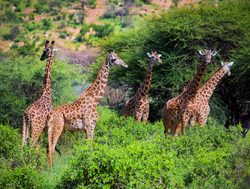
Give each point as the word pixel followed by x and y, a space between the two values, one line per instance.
pixel 198 109
pixel 138 105
pixel 81 114
pixel 35 115
pixel 174 108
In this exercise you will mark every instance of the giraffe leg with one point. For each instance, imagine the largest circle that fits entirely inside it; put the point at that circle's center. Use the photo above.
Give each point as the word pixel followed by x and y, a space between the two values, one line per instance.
pixel 167 125
pixel 37 130
pixel 138 116
pixel 90 130
pixel 201 120
pixel 145 114
pixel 192 121
pixel 55 128
pixel 176 128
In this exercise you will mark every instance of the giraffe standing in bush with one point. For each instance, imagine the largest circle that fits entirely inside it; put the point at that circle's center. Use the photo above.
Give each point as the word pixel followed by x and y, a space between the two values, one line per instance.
pixel 198 109
pixel 35 115
pixel 81 114
pixel 174 108
pixel 138 105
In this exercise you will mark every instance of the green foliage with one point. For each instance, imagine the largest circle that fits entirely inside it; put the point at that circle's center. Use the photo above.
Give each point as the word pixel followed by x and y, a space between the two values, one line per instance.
pixel 127 154
pixel 92 3
pixel 103 30
pixel 178 34
pixel 12 17
pixel 18 167
pixel 21 83
pixel 46 24
pixel 63 34
pixel 14 33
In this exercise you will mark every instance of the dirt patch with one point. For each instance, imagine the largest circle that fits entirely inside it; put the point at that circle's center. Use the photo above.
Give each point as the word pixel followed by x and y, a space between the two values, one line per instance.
pixel 186 2
pixel 28 11
pixel 5 45
pixel 40 17
pixel 94 14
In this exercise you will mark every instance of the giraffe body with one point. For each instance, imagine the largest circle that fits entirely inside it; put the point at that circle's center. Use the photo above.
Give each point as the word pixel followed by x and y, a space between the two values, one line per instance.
pixel 35 116
pixel 175 108
pixel 81 114
pixel 138 105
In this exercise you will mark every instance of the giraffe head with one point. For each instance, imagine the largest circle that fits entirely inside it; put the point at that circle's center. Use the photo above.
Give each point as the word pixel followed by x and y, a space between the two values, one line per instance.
pixel 114 59
pixel 154 58
pixel 47 49
pixel 227 66
pixel 207 54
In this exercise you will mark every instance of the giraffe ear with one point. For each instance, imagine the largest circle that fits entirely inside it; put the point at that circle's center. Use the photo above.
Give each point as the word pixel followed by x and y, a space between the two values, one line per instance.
pixel 55 50
pixel 201 52
pixel 230 64
pixel 214 53
pixel 222 63
pixel 149 55
pixel 159 55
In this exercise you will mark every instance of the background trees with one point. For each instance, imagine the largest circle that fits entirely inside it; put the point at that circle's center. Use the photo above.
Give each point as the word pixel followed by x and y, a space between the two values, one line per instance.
pixel 178 34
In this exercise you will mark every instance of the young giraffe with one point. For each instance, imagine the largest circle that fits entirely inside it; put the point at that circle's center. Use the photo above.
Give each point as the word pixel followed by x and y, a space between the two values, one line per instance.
pixel 81 114
pixel 35 115
pixel 138 105
pixel 198 109
pixel 174 108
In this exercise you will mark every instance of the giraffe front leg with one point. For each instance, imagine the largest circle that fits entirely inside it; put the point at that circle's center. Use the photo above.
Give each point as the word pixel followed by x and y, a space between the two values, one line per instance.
pixel 138 115
pixel 192 121
pixel 145 113
pixel 90 130
pixel 176 128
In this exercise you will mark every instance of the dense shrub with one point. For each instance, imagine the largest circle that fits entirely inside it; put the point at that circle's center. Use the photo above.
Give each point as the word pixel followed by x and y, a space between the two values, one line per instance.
pixel 46 24
pixel 103 30
pixel 126 154
pixel 92 3
pixel 21 82
pixel 178 34
pixel 19 167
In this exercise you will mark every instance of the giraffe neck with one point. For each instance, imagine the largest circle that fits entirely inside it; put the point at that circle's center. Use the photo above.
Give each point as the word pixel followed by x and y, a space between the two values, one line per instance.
pixel 145 85
pixel 96 90
pixel 47 76
pixel 194 85
pixel 208 88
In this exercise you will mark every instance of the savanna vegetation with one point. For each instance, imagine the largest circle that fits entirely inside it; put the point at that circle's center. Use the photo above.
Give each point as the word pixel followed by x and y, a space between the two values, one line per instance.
pixel 124 153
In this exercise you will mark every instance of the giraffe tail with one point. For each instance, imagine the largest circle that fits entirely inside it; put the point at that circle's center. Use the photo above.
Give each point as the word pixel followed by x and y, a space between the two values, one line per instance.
pixel 25 129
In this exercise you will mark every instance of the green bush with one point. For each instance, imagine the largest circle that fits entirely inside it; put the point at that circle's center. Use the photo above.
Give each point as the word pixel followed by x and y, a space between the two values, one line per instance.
pixel 63 34
pixel 46 24
pixel 92 3
pixel 21 80
pixel 18 167
pixel 102 30
pixel 127 154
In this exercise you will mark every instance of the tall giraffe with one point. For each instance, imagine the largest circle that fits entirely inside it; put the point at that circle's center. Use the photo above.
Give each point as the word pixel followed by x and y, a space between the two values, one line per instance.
pixel 173 110
pixel 198 109
pixel 35 115
pixel 81 114
pixel 138 105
